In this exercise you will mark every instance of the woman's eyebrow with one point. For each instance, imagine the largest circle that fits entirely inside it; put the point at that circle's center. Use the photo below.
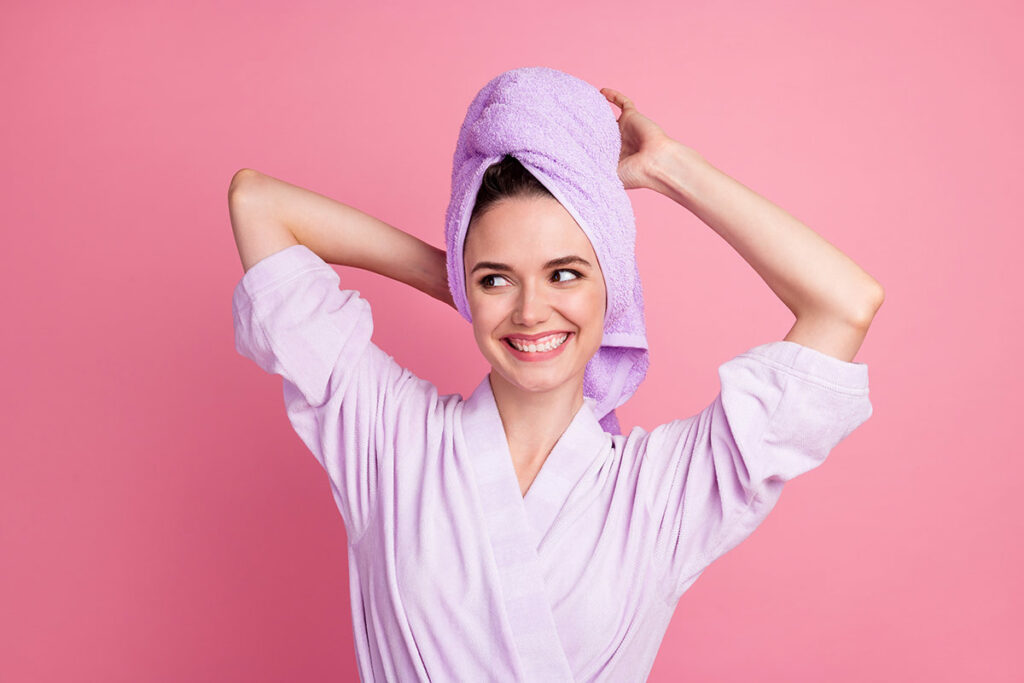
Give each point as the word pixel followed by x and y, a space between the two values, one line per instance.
pixel 560 261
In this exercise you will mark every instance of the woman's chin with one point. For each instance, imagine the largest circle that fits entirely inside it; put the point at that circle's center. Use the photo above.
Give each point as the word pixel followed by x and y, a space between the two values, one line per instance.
pixel 534 381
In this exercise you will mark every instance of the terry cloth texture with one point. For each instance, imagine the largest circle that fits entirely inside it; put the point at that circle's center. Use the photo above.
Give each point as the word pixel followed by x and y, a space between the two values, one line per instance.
pixel 563 131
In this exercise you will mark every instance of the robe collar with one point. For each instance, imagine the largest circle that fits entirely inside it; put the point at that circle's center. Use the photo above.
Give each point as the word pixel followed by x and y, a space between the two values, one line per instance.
pixel 579 446
pixel 517 525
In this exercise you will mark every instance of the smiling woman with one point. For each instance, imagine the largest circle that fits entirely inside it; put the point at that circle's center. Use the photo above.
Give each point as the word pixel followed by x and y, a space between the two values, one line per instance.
pixel 481 528
pixel 515 252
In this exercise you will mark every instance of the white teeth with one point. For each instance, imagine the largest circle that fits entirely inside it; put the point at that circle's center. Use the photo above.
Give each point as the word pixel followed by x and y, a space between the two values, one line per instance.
pixel 548 344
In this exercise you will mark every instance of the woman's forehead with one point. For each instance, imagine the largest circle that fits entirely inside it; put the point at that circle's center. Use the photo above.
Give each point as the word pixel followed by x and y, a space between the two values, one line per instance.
pixel 529 230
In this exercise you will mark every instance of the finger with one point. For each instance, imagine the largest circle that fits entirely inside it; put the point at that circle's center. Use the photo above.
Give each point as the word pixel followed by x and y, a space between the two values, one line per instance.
pixel 618 98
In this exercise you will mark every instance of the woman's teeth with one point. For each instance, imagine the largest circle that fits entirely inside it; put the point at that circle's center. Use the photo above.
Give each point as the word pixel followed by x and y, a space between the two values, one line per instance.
pixel 542 344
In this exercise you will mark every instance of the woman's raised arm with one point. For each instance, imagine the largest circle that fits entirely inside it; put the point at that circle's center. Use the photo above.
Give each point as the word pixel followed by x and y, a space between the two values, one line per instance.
pixel 268 215
pixel 834 300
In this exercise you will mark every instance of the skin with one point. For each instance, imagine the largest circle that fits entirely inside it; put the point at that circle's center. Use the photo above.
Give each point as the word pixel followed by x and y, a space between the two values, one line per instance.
pixel 833 300
pixel 536 399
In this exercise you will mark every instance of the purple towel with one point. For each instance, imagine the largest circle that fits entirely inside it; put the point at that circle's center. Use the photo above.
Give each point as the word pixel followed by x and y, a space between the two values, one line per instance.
pixel 563 131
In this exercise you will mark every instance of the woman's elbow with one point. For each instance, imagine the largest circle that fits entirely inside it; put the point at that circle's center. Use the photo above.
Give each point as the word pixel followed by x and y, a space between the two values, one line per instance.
pixel 243 178
pixel 871 305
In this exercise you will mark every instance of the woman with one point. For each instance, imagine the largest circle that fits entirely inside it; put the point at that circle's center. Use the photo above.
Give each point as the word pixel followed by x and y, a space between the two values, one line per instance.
pixel 515 534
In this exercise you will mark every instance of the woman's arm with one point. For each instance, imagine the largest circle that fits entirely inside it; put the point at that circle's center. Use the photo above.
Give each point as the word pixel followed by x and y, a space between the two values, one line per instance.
pixel 268 215
pixel 833 299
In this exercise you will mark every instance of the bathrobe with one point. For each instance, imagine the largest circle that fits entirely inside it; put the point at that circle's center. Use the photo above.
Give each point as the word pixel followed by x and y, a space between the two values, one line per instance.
pixel 454 575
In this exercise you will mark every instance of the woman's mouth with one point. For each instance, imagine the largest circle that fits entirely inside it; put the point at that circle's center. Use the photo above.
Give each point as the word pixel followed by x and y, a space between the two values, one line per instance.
pixel 538 349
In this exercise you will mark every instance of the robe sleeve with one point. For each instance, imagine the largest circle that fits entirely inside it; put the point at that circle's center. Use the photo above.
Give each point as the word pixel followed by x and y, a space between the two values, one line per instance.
pixel 712 479
pixel 291 319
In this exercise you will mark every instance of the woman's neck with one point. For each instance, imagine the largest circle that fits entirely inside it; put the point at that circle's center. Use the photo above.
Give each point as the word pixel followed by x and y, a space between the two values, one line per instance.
pixel 534 420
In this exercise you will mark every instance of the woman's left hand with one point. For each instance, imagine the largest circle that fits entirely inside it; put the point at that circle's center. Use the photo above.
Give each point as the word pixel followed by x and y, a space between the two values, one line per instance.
pixel 642 142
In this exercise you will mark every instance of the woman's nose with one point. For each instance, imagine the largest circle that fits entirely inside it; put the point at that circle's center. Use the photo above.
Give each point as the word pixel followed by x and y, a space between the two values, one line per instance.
pixel 531 308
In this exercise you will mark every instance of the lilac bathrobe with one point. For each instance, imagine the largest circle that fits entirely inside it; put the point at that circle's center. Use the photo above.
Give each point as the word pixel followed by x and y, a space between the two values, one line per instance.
pixel 454 575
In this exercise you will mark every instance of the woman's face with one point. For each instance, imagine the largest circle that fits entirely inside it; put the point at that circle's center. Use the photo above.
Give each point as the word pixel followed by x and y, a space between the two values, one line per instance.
pixel 532 277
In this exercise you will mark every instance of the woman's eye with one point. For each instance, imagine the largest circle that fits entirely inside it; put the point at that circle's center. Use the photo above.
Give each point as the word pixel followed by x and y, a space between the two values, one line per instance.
pixel 572 275
pixel 489 281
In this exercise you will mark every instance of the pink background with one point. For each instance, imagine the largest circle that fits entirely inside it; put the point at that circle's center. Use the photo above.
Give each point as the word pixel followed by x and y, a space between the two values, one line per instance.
pixel 160 521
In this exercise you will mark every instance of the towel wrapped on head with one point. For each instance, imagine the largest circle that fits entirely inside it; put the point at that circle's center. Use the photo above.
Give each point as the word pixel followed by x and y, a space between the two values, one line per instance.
pixel 562 130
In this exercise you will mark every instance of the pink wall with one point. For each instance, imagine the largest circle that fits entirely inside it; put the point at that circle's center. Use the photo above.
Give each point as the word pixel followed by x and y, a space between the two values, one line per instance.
pixel 160 521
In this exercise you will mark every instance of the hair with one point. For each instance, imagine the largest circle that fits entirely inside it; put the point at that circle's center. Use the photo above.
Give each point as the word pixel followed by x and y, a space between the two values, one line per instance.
pixel 506 179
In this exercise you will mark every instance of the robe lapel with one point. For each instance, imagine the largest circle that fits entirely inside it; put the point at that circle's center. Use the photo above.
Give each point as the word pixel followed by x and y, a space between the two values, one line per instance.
pixel 582 443
pixel 516 525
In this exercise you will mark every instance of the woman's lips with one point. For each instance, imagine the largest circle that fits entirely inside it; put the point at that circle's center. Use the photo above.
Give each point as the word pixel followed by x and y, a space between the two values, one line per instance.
pixel 537 355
